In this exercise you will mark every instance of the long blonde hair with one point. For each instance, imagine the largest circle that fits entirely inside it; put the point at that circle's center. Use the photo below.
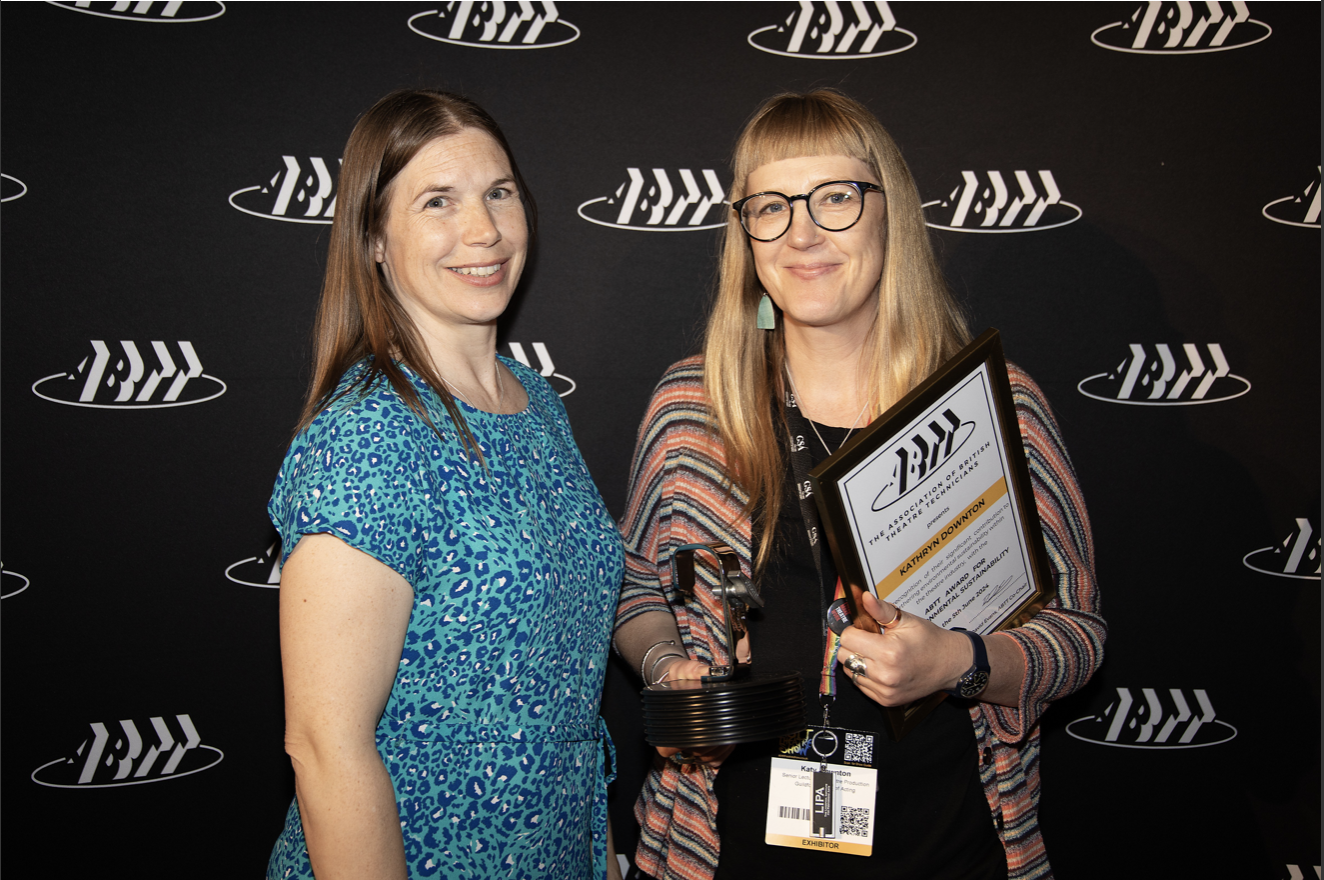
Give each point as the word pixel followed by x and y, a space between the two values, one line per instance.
pixel 918 324
pixel 359 317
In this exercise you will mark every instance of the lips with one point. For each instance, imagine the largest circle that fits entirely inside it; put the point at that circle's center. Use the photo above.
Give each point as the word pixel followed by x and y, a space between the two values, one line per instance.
pixel 477 271
pixel 809 271
pixel 481 275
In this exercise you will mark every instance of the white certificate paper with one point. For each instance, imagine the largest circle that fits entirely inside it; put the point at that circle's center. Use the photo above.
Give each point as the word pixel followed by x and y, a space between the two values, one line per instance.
pixel 933 515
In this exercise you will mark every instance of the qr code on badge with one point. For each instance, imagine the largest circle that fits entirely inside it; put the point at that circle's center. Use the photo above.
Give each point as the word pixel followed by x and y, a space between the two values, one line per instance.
pixel 859 748
pixel 855 821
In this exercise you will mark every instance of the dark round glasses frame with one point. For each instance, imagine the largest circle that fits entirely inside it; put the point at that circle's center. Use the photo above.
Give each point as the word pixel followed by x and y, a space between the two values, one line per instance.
pixel 861 185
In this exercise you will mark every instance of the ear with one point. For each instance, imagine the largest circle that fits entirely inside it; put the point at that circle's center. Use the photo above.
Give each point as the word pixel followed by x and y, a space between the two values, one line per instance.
pixel 379 249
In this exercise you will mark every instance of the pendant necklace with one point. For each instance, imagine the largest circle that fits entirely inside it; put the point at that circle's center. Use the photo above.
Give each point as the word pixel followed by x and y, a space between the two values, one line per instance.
pixel 814 426
pixel 501 389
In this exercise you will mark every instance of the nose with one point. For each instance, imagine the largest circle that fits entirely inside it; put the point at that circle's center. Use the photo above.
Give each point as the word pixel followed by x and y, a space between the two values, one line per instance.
pixel 804 232
pixel 480 228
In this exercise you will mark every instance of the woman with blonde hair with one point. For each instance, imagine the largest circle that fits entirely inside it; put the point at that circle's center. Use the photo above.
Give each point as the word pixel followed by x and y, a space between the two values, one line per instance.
pixel 830 307
pixel 449 572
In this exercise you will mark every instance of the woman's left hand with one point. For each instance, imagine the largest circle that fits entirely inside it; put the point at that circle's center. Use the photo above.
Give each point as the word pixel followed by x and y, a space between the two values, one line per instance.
pixel 907 661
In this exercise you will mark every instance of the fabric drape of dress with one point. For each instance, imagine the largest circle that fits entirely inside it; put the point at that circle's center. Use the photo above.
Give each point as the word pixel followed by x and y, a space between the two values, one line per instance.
pixel 491 734
pixel 679 495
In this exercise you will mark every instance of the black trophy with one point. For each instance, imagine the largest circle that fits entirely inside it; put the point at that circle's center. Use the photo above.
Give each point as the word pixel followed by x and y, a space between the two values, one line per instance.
pixel 732 704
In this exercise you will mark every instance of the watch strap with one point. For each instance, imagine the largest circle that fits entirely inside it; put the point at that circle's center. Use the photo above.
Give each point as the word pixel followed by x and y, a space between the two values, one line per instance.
pixel 975 679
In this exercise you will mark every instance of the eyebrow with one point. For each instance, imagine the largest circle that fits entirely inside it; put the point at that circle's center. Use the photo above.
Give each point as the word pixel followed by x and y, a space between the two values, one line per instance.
pixel 439 189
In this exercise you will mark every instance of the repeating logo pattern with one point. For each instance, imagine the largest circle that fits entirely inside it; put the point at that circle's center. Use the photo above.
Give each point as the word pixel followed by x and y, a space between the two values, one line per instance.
pixel 174 12
pixel 991 203
pixel 1182 28
pixel 1302 210
pixel 1298 556
pixel 496 25
pixel 12 583
pixel 127 384
pixel 1155 720
pixel 295 194
pixel 1143 379
pixel 654 203
pixel 1300 872
pixel 11 188
pixel 262 570
pixel 831 30
pixel 564 386
pixel 126 752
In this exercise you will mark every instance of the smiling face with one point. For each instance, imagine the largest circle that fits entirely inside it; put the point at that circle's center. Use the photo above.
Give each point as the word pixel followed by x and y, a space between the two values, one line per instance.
pixel 820 278
pixel 455 237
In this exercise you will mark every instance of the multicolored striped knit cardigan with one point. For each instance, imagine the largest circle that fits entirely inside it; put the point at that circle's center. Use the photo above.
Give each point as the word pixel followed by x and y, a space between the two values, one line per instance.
pixel 678 496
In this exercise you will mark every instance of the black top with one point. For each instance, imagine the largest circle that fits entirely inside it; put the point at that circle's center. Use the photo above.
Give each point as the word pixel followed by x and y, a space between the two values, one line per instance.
pixel 932 820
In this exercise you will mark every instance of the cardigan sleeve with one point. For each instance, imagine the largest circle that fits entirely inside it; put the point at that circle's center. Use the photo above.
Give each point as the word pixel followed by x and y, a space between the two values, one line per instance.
pixel 679 494
pixel 647 516
pixel 1063 644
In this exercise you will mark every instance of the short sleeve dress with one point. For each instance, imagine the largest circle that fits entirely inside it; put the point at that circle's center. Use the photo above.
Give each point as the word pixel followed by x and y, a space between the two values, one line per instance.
pixel 491 734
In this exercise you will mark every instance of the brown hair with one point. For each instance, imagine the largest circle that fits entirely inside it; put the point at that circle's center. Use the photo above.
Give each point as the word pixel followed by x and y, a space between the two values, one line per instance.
pixel 359 316
pixel 918 324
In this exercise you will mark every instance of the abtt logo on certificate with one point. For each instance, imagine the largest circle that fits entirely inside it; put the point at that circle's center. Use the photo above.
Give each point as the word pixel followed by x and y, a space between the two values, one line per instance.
pixel 821 791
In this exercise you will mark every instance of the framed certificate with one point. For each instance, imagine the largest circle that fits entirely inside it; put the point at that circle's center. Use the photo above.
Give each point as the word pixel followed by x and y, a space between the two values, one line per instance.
pixel 931 507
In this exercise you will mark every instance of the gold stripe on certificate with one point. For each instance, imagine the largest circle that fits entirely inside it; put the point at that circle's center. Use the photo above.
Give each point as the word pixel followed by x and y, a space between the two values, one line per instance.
pixel 939 539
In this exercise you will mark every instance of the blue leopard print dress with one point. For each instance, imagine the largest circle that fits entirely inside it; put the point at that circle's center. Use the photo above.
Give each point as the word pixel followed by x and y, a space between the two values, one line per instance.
pixel 491 733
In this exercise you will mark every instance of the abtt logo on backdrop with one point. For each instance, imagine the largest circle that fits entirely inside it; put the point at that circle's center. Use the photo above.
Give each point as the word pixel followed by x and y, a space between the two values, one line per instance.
pixel 1156 721
pixel 262 570
pixel 144 10
pixel 11 188
pixel 12 583
pixel 564 387
pixel 127 385
pixel 496 25
pixel 1288 209
pixel 113 755
pixel 1153 381
pixel 294 194
pixel 1296 557
pixel 1178 29
pixel 986 204
pixel 834 30
pixel 656 205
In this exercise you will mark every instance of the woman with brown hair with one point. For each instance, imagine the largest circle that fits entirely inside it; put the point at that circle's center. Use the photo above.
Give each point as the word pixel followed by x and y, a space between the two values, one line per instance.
pixel 449 570
pixel 829 308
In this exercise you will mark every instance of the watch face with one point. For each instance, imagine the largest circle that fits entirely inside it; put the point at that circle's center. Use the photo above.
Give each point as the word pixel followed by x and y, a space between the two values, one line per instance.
pixel 973 683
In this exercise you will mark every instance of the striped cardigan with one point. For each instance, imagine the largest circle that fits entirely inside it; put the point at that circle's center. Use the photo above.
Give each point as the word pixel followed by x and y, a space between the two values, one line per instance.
pixel 678 496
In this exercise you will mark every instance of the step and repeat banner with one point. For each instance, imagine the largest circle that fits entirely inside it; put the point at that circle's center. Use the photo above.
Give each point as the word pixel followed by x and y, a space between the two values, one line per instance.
pixel 1130 192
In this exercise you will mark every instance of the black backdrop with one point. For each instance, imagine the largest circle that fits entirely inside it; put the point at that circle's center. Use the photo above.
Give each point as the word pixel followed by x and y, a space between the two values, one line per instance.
pixel 158 294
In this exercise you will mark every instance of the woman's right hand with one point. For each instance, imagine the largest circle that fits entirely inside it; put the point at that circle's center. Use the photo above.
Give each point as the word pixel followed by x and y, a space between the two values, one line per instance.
pixel 681 669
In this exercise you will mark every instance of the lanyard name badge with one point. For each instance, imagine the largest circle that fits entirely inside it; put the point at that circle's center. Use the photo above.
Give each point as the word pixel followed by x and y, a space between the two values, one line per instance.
pixel 823 782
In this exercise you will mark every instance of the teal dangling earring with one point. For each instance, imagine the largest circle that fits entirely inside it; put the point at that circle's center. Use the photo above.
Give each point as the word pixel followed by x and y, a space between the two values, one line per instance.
pixel 767 317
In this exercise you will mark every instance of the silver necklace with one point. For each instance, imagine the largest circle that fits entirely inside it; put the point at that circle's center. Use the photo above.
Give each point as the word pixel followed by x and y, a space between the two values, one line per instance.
pixel 501 389
pixel 813 426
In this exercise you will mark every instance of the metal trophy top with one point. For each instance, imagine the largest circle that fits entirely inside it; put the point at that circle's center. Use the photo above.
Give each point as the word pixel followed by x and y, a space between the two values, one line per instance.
pixel 731 704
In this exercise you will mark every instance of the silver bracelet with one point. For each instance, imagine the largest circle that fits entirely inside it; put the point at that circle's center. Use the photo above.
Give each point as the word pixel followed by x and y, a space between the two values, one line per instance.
pixel 660 657
pixel 671 642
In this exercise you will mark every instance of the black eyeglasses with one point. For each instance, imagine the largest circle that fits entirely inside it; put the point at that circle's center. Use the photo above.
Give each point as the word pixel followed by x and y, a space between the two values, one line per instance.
pixel 835 206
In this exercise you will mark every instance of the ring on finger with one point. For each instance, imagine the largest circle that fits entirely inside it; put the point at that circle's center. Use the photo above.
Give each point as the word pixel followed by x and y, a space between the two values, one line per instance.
pixel 857 666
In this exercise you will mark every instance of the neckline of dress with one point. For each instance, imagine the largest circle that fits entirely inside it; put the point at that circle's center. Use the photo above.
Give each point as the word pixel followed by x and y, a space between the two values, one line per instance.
pixel 468 407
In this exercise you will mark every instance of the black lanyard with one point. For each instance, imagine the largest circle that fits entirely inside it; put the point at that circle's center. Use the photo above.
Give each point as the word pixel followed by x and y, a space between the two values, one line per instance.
pixel 798 447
